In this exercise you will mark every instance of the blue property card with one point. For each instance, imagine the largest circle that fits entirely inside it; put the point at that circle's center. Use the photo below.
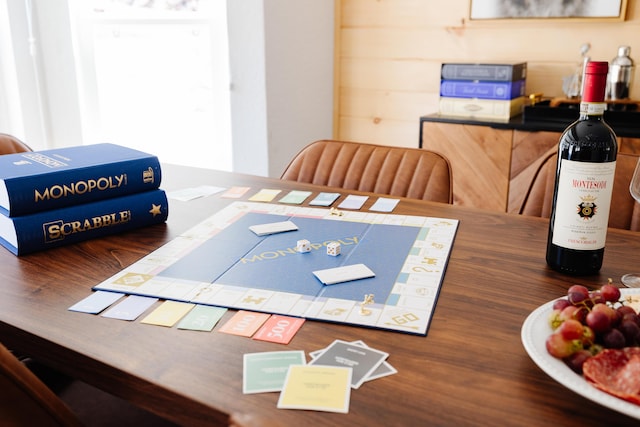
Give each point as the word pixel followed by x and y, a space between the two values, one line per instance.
pixel 324 199
pixel 130 308
pixel 96 302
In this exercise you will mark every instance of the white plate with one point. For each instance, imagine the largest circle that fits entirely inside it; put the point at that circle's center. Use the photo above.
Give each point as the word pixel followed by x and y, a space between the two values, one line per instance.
pixel 535 331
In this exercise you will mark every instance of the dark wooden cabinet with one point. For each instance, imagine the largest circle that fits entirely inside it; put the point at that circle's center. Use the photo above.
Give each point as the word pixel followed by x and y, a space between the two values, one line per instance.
pixel 494 163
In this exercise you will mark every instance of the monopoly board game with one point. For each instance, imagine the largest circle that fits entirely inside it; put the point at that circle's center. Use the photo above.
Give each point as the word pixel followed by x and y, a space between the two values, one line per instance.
pixel 222 262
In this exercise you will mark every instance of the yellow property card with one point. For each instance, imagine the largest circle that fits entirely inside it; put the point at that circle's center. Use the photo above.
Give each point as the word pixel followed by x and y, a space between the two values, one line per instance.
pixel 317 388
pixel 168 313
pixel 265 195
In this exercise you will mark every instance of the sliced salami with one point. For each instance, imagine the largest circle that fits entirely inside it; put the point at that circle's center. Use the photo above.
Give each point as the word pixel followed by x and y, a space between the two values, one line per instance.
pixel 616 372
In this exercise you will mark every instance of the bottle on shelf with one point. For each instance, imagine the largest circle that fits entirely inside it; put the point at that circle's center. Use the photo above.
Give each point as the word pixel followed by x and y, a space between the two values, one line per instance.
pixel 620 75
pixel 584 182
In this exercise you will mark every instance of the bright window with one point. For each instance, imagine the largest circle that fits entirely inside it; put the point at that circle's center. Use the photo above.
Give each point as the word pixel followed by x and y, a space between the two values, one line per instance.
pixel 154 76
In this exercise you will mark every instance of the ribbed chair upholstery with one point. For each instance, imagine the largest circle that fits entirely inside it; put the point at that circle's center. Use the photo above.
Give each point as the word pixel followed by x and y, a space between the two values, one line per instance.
pixel 10 144
pixel 394 171
pixel 625 211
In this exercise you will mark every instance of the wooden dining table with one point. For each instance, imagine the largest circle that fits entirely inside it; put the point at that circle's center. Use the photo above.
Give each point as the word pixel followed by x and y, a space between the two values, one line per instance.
pixel 471 369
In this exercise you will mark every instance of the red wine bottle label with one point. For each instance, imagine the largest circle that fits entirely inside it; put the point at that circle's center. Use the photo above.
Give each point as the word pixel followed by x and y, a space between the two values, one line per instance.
pixel 582 206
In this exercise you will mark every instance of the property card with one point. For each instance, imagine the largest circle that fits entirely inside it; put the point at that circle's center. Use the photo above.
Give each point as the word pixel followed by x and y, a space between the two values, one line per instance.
pixel 295 197
pixel 384 204
pixel 187 194
pixel 273 228
pixel 202 318
pixel 279 329
pixel 346 273
pixel 353 202
pixel 265 195
pixel 244 323
pixel 266 372
pixel 235 192
pixel 363 360
pixel 130 308
pixel 168 313
pixel 324 199
pixel 317 388
pixel 96 302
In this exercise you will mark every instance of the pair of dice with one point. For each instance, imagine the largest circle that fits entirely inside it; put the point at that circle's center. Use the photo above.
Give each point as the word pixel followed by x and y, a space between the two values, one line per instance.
pixel 303 246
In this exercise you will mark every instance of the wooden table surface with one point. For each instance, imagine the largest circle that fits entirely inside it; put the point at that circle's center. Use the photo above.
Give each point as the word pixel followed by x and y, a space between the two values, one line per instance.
pixel 471 368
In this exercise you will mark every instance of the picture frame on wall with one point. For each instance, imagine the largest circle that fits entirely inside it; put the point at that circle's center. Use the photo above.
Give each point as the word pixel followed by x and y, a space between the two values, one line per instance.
pixel 548 9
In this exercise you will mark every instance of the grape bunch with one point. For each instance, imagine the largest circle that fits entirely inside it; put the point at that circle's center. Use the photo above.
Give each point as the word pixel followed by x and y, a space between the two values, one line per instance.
pixel 586 322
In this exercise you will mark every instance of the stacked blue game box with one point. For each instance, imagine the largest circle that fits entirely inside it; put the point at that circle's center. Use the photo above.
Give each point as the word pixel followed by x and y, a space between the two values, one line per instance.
pixel 55 197
pixel 484 91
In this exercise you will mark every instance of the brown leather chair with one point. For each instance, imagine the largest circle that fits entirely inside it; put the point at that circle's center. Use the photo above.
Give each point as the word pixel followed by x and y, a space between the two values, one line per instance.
pixel 33 395
pixel 10 144
pixel 625 211
pixel 25 400
pixel 394 171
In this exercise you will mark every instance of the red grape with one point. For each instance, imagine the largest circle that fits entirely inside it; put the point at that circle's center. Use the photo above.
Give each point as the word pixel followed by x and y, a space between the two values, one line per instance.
pixel 610 293
pixel 625 309
pixel 571 330
pixel 586 322
pixel 561 348
pixel 577 359
pixel 573 312
pixel 630 330
pixel 599 321
pixel 577 293
pixel 604 308
pixel 560 304
pixel 613 338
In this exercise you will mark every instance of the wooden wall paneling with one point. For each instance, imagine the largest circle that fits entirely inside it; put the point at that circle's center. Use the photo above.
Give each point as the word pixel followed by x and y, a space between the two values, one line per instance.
pixel 402 13
pixel 480 160
pixel 386 132
pixel 409 75
pixel 398 46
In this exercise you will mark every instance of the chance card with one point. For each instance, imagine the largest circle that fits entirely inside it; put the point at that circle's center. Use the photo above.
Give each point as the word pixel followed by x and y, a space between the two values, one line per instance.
pixel 363 360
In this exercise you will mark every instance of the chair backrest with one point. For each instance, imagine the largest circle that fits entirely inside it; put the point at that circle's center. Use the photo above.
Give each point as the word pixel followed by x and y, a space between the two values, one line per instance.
pixel 625 211
pixel 26 400
pixel 10 144
pixel 396 171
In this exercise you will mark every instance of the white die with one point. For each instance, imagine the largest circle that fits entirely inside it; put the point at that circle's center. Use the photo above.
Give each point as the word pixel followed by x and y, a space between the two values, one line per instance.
pixel 303 246
pixel 333 248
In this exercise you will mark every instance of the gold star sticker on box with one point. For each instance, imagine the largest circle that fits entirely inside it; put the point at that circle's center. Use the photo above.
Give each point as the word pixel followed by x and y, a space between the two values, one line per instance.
pixel 155 210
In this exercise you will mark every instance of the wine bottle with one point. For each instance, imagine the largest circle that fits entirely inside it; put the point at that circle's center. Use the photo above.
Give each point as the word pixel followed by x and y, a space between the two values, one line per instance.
pixel 584 182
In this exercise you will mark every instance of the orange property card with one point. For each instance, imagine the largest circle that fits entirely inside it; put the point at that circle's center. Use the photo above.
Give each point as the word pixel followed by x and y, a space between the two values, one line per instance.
pixel 279 329
pixel 244 323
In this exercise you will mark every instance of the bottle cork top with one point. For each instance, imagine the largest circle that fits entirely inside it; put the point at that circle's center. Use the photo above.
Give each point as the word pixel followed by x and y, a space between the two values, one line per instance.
pixel 597 67
pixel 595 81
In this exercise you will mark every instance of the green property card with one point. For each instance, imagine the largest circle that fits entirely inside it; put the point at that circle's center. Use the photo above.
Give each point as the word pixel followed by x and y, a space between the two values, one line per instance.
pixel 202 318
pixel 295 197
pixel 265 372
